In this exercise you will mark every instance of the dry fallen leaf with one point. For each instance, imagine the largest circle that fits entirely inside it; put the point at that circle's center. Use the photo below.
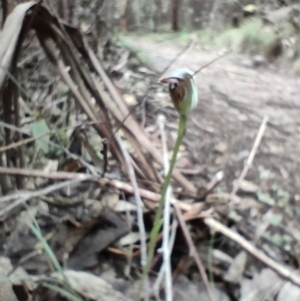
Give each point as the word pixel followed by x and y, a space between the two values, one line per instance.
pixel 221 147
pixel 8 288
pixel 247 186
pixel 263 286
pixel 122 206
pixel 129 239
pixel 290 292
pixel 236 269
pixel 92 287
pixel 185 290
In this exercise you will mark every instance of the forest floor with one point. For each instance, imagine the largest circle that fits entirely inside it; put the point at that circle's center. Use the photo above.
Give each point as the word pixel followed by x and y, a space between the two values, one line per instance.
pixel 84 223
pixel 234 98
pixel 235 95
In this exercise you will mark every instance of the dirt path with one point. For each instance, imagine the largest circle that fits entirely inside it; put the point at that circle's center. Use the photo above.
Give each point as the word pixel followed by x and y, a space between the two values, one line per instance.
pixel 234 99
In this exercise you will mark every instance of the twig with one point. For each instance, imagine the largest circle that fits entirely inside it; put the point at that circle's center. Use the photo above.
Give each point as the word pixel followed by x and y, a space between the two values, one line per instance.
pixel 193 252
pixel 218 177
pixel 20 143
pixel 166 266
pixel 251 156
pixel 140 215
pixel 159 278
pixel 62 175
pixel 25 196
pixel 190 214
pixel 34 173
pixel 250 248
pixel 91 168
pixel 211 62
pixel 215 181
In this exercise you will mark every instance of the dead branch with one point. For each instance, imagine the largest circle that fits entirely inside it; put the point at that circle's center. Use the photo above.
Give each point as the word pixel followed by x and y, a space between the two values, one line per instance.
pixel 25 196
pixel 251 156
pixel 250 248
pixel 61 175
pixel 140 205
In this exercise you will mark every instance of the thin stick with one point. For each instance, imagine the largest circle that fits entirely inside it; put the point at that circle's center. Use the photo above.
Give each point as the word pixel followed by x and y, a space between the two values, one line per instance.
pixel 20 143
pixel 25 196
pixel 250 248
pixel 251 156
pixel 166 267
pixel 211 62
pixel 62 175
pixel 91 168
pixel 140 215
pixel 193 252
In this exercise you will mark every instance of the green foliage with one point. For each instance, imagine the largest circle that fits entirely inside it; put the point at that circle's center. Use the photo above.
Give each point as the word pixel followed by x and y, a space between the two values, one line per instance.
pixel 181 38
pixel 66 289
pixel 277 197
pixel 264 174
pixel 282 196
pixel 266 198
pixel 277 239
pixel 61 135
pixel 251 37
pixel 276 219
pixel 40 131
pixel 206 37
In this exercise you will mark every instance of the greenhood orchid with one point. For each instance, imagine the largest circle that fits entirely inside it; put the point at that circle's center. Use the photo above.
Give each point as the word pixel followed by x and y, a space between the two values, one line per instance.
pixel 184 95
pixel 182 89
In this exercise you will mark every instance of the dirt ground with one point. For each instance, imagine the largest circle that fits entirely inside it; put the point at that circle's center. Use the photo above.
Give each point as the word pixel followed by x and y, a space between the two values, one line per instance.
pixel 234 98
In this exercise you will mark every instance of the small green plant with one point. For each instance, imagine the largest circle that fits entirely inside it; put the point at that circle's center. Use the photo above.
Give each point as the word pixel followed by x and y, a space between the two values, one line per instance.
pixel 282 196
pixel 184 95
pixel 65 287
pixel 264 174
pixel 251 37
pixel 277 239
pixel 206 37
pixel 182 37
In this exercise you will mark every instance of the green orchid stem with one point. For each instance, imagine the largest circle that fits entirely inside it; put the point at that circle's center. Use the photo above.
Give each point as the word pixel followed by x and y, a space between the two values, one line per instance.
pixel 158 219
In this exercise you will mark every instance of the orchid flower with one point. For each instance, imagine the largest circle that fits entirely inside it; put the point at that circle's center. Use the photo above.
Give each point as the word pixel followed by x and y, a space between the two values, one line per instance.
pixel 184 95
pixel 182 89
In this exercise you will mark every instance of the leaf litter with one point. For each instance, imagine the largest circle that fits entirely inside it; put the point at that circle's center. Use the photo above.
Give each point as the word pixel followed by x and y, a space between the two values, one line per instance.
pixel 71 106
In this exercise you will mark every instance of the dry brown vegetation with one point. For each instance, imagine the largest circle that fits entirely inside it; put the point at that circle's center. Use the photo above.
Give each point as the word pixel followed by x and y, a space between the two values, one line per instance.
pixel 80 143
